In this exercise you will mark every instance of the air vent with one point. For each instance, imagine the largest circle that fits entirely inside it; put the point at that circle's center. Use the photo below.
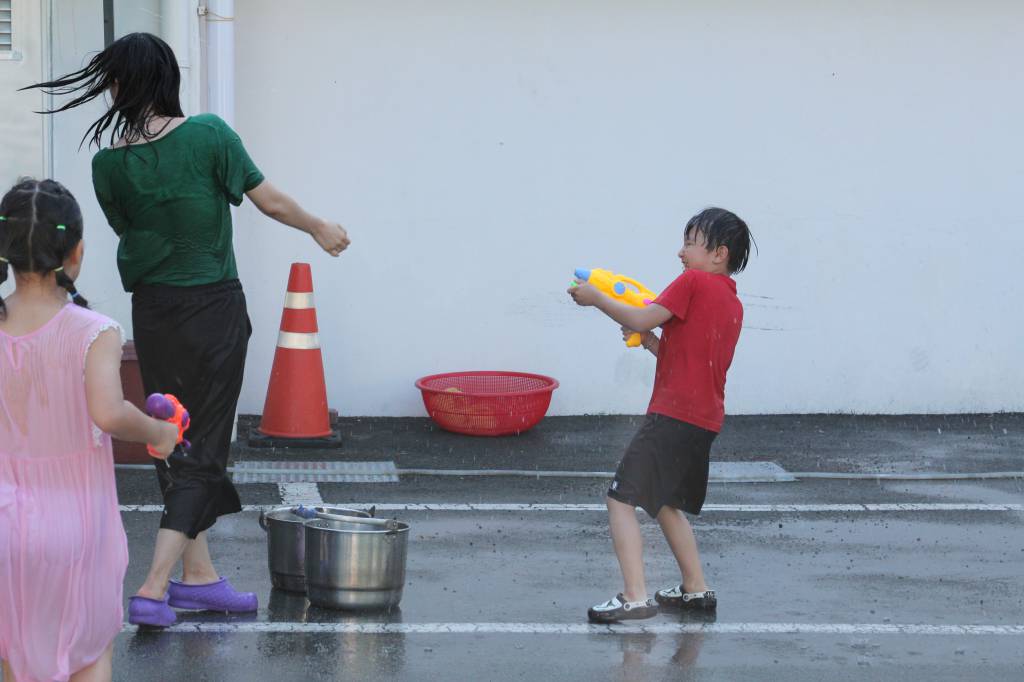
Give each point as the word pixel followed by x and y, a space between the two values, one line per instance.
pixel 5 25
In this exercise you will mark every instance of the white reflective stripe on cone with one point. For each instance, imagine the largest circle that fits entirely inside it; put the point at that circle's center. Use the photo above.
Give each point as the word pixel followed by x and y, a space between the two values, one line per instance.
pixel 298 301
pixel 296 341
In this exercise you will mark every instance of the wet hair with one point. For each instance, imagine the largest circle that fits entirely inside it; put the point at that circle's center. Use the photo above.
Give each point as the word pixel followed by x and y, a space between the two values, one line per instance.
pixel 146 74
pixel 720 227
pixel 40 224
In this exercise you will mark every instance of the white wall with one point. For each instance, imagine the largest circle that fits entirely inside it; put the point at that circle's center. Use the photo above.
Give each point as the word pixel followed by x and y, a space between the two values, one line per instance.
pixel 77 37
pixel 478 152
pixel 77 29
pixel 132 16
pixel 21 134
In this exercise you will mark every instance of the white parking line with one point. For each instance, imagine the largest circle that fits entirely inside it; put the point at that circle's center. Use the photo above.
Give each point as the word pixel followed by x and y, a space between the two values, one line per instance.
pixel 300 493
pixel 588 629
pixel 943 507
pixel 516 507
pixel 721 472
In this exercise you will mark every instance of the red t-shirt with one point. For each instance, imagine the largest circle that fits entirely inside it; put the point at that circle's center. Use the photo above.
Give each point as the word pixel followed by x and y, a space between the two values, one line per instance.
pixel 696 348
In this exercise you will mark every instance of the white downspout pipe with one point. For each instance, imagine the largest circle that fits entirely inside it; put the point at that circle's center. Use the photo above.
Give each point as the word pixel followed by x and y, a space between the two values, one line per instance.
pixel 179 27
pixel 220 59
pixel 220 75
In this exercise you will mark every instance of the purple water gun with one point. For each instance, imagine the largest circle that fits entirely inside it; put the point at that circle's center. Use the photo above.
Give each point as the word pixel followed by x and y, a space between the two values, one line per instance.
pixel 169 409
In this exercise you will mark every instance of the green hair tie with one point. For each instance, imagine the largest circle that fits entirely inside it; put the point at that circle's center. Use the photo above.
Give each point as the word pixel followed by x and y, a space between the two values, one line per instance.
pixel 3 218
pixel 60 269
pixel 4 260
pixel 61 228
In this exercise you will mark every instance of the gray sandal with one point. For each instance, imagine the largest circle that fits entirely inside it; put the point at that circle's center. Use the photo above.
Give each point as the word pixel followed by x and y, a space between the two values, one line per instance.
pixel 617 608
pixel 676 598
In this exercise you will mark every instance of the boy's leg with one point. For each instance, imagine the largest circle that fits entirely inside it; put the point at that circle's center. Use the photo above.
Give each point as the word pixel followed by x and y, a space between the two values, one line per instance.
pixel 197 566
pixel 100 671
pixel 680 538
pixel 629 548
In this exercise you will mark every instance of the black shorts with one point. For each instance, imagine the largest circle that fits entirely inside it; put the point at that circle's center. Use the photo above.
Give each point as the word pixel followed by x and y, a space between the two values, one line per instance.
pixel 666 464
pixel 192 342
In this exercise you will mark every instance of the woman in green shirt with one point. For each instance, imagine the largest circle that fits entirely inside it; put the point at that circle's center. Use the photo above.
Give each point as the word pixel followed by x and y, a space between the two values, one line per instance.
pixel 165 185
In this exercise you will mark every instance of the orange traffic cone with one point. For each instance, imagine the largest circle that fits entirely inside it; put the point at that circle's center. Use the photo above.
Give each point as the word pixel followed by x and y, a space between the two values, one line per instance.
pixel 296 404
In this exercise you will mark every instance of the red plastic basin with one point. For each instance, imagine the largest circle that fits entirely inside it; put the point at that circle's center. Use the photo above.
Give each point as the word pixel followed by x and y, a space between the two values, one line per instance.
pixel 487 403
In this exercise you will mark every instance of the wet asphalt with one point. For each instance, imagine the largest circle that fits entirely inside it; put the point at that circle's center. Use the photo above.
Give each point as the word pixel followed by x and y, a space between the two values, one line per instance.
pixel 844 576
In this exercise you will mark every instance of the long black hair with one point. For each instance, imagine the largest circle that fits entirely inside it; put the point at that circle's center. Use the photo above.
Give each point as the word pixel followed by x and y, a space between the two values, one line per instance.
pixel 146 76
pixel 40 224
pixel 720 227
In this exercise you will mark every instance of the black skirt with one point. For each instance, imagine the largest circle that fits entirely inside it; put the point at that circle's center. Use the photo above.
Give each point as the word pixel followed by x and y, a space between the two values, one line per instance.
pixel 666 465
pixel 192 341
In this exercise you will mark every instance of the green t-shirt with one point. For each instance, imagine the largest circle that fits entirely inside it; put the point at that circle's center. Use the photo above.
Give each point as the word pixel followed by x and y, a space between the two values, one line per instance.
pixel 168 202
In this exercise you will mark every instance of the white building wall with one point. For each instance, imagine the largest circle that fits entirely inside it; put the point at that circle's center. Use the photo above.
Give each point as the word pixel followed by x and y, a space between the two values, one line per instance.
pixel 479 152
pixel 76 27
pixel 132 16
pixel 21 134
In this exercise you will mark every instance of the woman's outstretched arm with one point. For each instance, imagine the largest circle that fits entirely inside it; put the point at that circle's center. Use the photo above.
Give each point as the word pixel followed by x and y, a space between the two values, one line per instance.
pixel 275 204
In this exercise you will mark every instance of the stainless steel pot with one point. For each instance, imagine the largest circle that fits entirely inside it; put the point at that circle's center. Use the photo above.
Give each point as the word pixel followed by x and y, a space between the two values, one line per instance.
pixel 286 544
pixel 355 564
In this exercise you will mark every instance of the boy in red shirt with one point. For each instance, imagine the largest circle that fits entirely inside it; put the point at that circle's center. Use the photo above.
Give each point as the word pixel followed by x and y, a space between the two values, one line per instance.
pixel 665 468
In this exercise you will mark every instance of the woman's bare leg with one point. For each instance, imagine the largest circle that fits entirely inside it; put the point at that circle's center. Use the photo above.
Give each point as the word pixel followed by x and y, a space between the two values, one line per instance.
pixel 196 564
pixel 170 546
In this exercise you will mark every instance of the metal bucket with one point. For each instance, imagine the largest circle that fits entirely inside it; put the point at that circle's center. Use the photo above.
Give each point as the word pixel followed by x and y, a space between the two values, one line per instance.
pixel 286 544
pixel 355 565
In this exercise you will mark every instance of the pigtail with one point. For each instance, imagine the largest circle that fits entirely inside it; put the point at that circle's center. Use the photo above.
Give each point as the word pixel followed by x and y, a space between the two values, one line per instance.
pixel 66 282
pixel 62 241
pixel 3 278
pixel 4 265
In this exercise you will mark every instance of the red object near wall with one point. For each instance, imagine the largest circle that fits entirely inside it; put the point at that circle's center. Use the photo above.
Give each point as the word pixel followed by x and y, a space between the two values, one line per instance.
pixel 131 384
pixel 296 404
pixel 487 403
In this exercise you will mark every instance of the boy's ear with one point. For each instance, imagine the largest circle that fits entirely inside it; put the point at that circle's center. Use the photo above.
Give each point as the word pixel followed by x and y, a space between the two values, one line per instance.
pixel 721 254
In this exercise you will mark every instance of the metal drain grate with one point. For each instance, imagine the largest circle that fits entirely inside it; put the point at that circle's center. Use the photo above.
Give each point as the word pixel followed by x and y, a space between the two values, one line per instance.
pixel 315 472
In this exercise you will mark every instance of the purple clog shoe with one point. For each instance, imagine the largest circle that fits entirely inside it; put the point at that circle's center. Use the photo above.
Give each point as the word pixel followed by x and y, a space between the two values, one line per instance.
pixel 154 613
pixel 216 596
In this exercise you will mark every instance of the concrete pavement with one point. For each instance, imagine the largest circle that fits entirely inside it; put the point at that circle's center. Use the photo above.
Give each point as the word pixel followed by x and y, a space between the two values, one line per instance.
pixel 838 579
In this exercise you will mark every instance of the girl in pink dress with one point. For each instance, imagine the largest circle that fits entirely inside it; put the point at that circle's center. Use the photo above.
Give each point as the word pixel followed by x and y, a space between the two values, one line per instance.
pixel 63 550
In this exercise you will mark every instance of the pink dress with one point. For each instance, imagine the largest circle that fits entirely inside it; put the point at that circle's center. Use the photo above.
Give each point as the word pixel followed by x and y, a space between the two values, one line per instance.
pixel 63 551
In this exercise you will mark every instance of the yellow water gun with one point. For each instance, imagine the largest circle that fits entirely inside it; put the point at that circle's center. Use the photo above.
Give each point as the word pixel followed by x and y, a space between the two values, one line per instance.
pixel 621 288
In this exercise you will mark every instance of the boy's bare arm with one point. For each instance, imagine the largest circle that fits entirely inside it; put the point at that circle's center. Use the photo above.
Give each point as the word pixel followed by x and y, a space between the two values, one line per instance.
pixel 652 343
pixel 107 407
pixel 649 340
pixel 640 319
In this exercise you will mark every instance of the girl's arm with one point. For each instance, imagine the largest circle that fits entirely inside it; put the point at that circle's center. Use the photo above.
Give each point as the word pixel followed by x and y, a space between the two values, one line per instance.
pixel 275 204
pixel 107 407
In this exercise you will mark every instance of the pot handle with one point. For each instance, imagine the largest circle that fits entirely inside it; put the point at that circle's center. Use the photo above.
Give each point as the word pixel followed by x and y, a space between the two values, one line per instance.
pixel 391 525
